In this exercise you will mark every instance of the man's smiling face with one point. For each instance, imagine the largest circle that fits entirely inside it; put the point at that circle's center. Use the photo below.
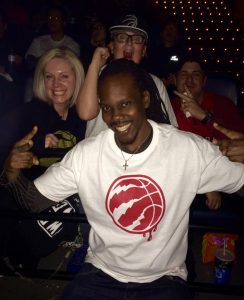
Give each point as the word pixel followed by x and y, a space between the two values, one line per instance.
pixel 128 49
pixel 123 109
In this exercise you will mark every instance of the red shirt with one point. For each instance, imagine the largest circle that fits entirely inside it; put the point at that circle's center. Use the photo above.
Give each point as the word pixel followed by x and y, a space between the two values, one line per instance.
pixel 224 111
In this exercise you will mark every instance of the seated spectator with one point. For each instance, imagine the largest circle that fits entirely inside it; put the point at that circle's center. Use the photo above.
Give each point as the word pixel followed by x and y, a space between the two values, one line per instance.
pixel 56 20
pixel 128 40
pixel 97 36
pixel 165 51
pixel 55 38
pixel 57 80
pixel 197 109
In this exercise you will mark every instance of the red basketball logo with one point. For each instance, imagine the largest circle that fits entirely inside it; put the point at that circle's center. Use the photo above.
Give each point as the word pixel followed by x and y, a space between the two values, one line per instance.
pixel 136 204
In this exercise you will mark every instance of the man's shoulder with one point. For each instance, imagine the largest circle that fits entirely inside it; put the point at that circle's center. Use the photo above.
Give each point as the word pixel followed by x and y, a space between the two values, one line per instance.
pixel 97 140
pixel 216 97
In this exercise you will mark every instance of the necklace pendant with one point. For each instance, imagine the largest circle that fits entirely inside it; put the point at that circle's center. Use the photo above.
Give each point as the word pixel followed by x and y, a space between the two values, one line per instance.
pixel 125 165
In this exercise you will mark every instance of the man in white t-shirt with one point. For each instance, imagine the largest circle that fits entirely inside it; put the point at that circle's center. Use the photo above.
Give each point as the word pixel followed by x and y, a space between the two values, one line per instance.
pixel 128 40
pixel 133 181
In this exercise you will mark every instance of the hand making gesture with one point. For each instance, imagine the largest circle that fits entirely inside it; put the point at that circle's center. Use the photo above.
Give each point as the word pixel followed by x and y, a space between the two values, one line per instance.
pixel 232 147
pixel 189 105
pixel 20 156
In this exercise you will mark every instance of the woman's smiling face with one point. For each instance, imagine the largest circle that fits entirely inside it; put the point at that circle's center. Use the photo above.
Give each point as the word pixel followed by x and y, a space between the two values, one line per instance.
pixel 59 80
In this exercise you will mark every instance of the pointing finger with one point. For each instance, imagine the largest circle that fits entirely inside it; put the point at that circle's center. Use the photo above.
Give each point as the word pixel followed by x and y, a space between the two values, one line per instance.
pixel 233 135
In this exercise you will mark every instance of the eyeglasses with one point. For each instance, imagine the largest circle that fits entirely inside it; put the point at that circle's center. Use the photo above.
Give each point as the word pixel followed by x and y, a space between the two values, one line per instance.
pixel 133 38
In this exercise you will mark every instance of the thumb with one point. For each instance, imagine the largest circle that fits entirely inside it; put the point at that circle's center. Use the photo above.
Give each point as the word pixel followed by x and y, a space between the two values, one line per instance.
pixel 24 147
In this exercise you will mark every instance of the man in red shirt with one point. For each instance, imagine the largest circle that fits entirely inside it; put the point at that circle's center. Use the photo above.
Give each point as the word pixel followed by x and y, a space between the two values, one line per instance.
pixel 196 109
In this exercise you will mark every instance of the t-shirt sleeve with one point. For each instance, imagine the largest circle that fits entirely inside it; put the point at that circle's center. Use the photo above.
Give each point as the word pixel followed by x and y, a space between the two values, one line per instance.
pixel 218 172
pixel 61 179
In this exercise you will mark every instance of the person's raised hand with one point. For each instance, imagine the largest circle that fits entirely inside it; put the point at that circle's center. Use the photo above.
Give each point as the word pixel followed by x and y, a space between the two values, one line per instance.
pixel 100 56
pixel 189 105
pixel 20 157
pixel 233 146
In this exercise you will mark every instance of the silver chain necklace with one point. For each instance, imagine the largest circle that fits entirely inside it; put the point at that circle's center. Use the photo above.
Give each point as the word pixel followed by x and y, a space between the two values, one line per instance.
pixel 125 165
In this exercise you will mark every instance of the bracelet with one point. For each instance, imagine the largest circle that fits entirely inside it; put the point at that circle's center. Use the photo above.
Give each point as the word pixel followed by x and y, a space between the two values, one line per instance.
pixel 207 118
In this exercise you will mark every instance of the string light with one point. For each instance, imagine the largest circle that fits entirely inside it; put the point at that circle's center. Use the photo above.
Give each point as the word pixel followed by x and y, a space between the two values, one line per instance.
pixel 205 18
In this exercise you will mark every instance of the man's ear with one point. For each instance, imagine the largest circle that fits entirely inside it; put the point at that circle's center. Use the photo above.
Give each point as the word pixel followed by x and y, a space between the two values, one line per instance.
pixel 146 99
pixel 144 51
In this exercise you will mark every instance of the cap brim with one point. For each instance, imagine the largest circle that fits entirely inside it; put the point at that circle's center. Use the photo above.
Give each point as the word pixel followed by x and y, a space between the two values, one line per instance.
pixel 120 28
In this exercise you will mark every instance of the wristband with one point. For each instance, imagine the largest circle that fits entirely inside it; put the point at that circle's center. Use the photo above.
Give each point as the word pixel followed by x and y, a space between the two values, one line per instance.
pixel 207 118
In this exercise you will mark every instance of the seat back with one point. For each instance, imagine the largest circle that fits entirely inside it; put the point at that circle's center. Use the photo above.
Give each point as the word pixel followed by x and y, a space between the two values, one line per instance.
pixel 223 85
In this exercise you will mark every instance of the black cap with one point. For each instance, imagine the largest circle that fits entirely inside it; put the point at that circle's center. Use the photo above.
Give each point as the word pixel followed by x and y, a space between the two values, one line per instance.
pixel 128 23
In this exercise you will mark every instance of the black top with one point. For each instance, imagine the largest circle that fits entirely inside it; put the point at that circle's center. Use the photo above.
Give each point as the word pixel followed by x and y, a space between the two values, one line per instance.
pixel 18 122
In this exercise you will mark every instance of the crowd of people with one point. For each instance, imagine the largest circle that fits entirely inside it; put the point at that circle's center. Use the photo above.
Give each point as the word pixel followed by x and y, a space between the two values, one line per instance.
pixel 100 131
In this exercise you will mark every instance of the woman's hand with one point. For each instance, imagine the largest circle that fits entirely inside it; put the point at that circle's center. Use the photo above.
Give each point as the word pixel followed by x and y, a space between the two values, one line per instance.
pixel 51 141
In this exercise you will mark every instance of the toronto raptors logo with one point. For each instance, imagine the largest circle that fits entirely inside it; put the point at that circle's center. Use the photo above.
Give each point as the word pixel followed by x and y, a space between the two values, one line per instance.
pixel 136 204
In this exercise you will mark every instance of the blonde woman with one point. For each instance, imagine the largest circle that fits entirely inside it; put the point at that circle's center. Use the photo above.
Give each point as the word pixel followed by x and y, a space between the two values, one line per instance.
pixel 58 77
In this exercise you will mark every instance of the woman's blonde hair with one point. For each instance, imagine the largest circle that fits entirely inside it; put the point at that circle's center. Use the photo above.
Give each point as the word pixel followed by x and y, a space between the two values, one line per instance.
pixel 76 65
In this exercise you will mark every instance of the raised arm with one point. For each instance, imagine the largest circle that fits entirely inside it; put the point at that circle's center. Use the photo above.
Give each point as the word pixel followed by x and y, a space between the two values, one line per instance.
pixel 87 103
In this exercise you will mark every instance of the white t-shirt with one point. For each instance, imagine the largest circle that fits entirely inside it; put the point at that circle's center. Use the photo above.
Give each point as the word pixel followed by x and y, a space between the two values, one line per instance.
pixel 43 43
pixel 96 125
pixel 139 216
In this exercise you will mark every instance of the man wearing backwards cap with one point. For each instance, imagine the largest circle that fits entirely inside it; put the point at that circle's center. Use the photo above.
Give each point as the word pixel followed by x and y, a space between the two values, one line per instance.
pixel 128 40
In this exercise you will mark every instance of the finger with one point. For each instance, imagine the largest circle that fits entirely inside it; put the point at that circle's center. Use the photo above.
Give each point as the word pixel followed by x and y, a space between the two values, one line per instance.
pixel 181 95
pixel 236 158
pixel 51 141
pixel 187 91
pixel 227 132
pixel 28 137
pixel 24 148
pixel 35 160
